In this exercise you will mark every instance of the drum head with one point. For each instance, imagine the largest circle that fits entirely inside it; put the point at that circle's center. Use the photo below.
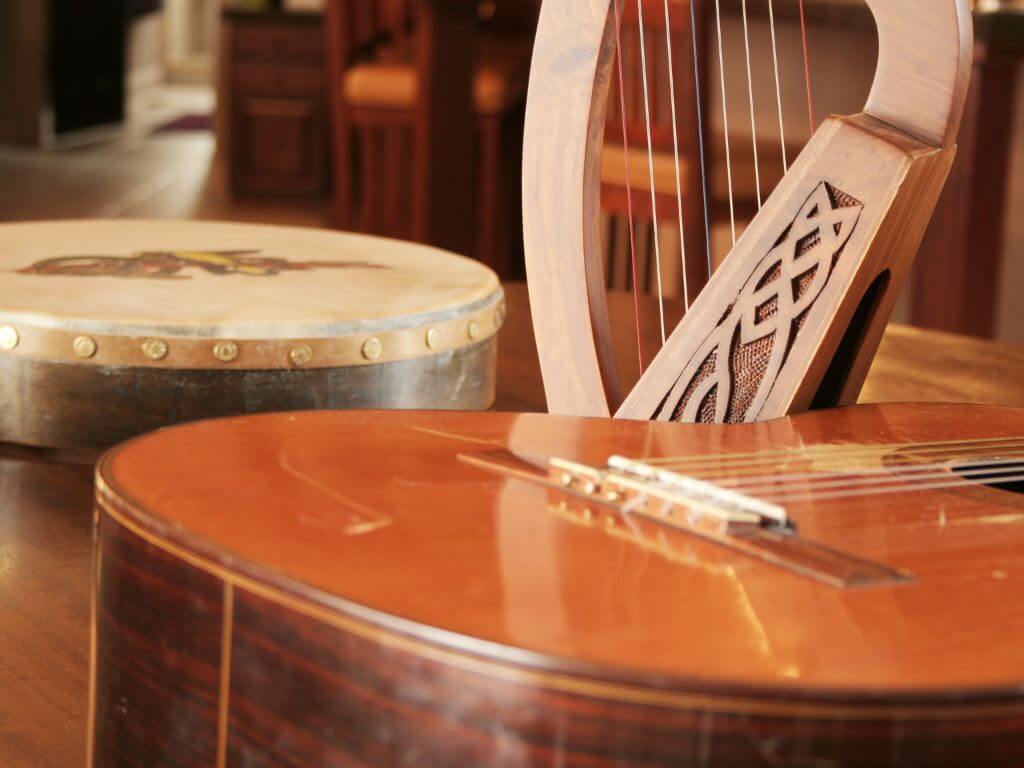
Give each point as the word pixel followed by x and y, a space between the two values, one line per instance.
pixel 225 280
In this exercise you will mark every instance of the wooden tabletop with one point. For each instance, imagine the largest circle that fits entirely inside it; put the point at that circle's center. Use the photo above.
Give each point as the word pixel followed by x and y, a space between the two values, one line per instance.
pixel 45 516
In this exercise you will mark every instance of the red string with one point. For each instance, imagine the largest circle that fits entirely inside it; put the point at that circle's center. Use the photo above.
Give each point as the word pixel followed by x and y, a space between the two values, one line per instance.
pixel 807 66
pixel 629 184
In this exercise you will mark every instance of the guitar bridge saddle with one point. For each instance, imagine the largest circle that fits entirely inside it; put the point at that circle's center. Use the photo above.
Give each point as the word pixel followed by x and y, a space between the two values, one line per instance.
pixel 671 498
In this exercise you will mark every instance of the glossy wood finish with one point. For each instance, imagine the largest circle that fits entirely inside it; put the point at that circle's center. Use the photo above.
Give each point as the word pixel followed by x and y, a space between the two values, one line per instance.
pixel 45 519
pixel 485 607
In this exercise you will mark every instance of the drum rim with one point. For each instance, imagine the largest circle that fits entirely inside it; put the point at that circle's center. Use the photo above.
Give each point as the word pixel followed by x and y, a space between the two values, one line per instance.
pixel 371 343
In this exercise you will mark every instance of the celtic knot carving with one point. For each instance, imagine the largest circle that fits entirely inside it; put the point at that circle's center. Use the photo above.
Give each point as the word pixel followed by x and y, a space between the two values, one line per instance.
pixel 732 373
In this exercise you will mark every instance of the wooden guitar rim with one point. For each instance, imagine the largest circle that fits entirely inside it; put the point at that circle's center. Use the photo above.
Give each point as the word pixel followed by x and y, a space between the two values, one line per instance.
pixel 533 669
pixel 475 323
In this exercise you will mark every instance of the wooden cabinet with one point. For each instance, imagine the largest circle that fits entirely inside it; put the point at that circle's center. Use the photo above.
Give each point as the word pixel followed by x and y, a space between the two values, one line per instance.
pixel 273 114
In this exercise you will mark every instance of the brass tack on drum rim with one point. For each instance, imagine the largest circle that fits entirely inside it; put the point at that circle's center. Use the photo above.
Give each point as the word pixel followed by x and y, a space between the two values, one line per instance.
pixel 300 355
pixel 433 338
pixel 8 337
pixel 225 351
pixel 473 330
pixel 372 348
pixel 154 349
pixel 84 346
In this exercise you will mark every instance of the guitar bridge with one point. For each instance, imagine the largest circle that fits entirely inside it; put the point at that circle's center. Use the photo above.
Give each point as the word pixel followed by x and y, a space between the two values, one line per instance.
pixel 637 491
pixel 669 497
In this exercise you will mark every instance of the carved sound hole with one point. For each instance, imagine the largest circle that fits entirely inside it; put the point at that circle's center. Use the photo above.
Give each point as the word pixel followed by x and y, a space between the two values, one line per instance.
pixel 733 371
pixel 1002 476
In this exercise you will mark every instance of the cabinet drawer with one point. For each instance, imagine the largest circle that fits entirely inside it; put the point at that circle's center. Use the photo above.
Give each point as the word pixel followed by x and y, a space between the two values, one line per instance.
pixel 249 78
pixel 260 41
pixel 278 146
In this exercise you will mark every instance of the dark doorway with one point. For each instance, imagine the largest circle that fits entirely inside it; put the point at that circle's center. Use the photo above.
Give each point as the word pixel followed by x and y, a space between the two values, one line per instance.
pixel 87 63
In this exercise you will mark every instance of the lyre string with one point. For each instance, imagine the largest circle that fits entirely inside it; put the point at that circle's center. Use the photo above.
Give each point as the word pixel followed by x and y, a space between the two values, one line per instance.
pixel 750 97
pixel 675 147
pixel 700 134
pixel 725 120
pixel 629 184
pixel 778 86
pixel 807 65
pixel 650 164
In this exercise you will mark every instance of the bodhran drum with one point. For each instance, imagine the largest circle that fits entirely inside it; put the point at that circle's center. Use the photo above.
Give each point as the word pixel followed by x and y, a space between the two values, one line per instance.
pixel 113 328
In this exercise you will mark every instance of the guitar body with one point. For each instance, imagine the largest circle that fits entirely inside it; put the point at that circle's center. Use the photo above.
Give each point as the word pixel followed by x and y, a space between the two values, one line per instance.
pixel 342 589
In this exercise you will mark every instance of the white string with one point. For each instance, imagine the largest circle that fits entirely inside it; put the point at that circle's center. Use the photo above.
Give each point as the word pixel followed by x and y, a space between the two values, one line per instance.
pixel 650 165
pixel 750 96
pixel 875 475
pixel 778 87
pixel 700 134
pixel 826 451
pixel 906 488
pixel 725 120
pixel 675 147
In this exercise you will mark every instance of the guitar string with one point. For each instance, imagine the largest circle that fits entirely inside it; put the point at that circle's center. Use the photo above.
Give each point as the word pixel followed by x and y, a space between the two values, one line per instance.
pixel 629 183
pixel 876 475
pixel 675 147
pixel 807 65
pixel 905 488
pixel 725 120
pixel 750 97
pixel 743 473
pixel 882 479
pixel 778 86
pixel 700 134
pixel 650 164
pixel 813 451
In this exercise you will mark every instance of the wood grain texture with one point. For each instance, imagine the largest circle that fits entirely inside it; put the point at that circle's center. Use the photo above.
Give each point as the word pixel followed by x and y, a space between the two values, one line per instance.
pixel 924 67
pixel 418 608
pixel 45 558
pixel 565 121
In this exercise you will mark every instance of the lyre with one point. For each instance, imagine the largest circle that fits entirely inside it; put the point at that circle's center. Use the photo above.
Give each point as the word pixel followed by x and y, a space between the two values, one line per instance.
pixel 795 313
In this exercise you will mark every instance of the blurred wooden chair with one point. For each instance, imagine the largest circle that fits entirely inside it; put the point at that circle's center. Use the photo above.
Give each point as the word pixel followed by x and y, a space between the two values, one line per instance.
pixel 427 109
pixel 615 232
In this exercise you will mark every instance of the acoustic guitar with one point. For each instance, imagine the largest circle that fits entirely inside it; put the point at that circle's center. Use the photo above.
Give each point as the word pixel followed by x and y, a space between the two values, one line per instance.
pixel 746 588
pixel 837 588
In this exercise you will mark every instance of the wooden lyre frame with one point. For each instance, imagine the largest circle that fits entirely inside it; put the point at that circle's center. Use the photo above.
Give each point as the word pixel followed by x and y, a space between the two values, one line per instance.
pixel 793 317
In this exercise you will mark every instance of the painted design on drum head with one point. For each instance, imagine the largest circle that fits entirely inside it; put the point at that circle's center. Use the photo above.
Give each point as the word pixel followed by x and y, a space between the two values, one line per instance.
pixel 170 265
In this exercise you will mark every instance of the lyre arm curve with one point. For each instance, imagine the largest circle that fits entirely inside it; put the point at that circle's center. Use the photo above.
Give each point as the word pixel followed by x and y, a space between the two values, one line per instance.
pixel 924 66
pixel 925 50
pixel 565 112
